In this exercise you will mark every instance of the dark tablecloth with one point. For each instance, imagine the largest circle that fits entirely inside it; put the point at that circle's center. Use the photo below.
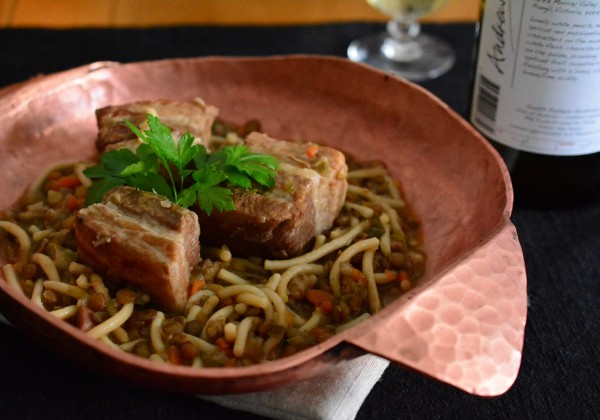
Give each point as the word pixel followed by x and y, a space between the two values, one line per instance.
pixel 560 372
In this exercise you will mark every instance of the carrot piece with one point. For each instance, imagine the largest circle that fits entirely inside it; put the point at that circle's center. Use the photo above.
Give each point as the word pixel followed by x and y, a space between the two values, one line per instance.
pixel 389 274
pixel 196 285
pixel 222 343
pixel 174 355
pixel 402 276
pixel 74 203
pixel 404 280
pixel 318 296
pixel 357 276
pixel 67 181
pixel 327 306
pixel 312 150
pixel 228 301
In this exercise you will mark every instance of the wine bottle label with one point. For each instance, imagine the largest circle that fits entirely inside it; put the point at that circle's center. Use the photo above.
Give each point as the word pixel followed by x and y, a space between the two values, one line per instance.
pixel 537 83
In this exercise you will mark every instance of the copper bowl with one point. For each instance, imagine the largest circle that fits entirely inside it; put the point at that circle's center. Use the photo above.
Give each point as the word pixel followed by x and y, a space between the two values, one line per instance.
pixel 463 324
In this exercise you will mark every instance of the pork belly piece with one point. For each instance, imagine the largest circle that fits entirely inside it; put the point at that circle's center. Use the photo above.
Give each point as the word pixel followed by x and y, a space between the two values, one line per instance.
pixel 280 223
pixel 193 116
pixel 141 239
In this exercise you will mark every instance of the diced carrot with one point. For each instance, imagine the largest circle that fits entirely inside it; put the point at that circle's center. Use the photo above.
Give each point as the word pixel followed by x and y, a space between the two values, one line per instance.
pixel 222 343
pixel 317 296
pixel 68 181
pixel 312 150
pixel 196 286
pixel 402 276
pixel 389 274
pixel 74 203
pixel 327 306
pixel 404 280
pixel 174 355
pixel 357 275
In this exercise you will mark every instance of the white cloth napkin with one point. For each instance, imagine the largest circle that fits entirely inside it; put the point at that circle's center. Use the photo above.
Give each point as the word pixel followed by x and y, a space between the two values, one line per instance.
pixel 338 394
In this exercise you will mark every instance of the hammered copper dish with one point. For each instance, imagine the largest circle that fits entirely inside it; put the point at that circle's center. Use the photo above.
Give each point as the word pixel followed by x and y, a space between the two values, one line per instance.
pixel 465 321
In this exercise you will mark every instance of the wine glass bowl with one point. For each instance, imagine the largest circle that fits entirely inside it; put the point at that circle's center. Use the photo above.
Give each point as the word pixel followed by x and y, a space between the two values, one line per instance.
pixel 403 49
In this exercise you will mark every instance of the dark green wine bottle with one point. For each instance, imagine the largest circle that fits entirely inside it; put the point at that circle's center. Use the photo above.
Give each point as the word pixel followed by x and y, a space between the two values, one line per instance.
pixel 536 97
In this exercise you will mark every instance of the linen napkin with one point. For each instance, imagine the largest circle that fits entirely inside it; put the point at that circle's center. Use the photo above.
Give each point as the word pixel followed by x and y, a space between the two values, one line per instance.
pixel 338 394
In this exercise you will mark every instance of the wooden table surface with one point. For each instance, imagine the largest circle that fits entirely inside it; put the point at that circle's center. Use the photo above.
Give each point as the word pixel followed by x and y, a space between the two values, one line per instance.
pixel 145 13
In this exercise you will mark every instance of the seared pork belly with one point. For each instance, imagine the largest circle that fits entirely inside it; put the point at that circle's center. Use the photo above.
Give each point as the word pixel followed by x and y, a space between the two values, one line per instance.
pixel 193 116
pixel 142 239
pixel 310 191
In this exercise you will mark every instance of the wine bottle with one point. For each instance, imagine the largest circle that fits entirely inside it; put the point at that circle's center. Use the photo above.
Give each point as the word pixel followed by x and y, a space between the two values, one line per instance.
pixel 536 97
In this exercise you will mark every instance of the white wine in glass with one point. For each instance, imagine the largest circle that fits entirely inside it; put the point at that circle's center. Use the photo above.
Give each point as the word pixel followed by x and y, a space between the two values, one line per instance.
pixel 403 49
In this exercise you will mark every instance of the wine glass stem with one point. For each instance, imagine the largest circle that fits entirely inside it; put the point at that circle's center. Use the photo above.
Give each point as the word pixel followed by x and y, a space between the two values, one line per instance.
pixel 401 43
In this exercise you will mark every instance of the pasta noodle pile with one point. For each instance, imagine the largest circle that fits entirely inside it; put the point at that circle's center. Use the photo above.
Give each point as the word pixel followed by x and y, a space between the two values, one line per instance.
pixel 240 311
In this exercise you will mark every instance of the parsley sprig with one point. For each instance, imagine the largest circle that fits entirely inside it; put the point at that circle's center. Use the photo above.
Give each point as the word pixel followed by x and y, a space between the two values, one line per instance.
pixel 182 171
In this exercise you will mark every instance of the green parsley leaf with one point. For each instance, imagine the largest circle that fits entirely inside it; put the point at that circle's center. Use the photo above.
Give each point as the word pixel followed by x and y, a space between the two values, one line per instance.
pixel 186 150
pixel 236 178
pixel 208 176
pixel 182 171
pixel 158 137
pixel 187 197
pixel 218 197
pixel 259 167
pixel 97 190
pixel 112 163
pixel 152 182
pixel 108 172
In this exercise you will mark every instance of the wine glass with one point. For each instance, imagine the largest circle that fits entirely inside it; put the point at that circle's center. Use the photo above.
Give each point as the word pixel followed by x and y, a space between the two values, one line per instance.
pixel 403 49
